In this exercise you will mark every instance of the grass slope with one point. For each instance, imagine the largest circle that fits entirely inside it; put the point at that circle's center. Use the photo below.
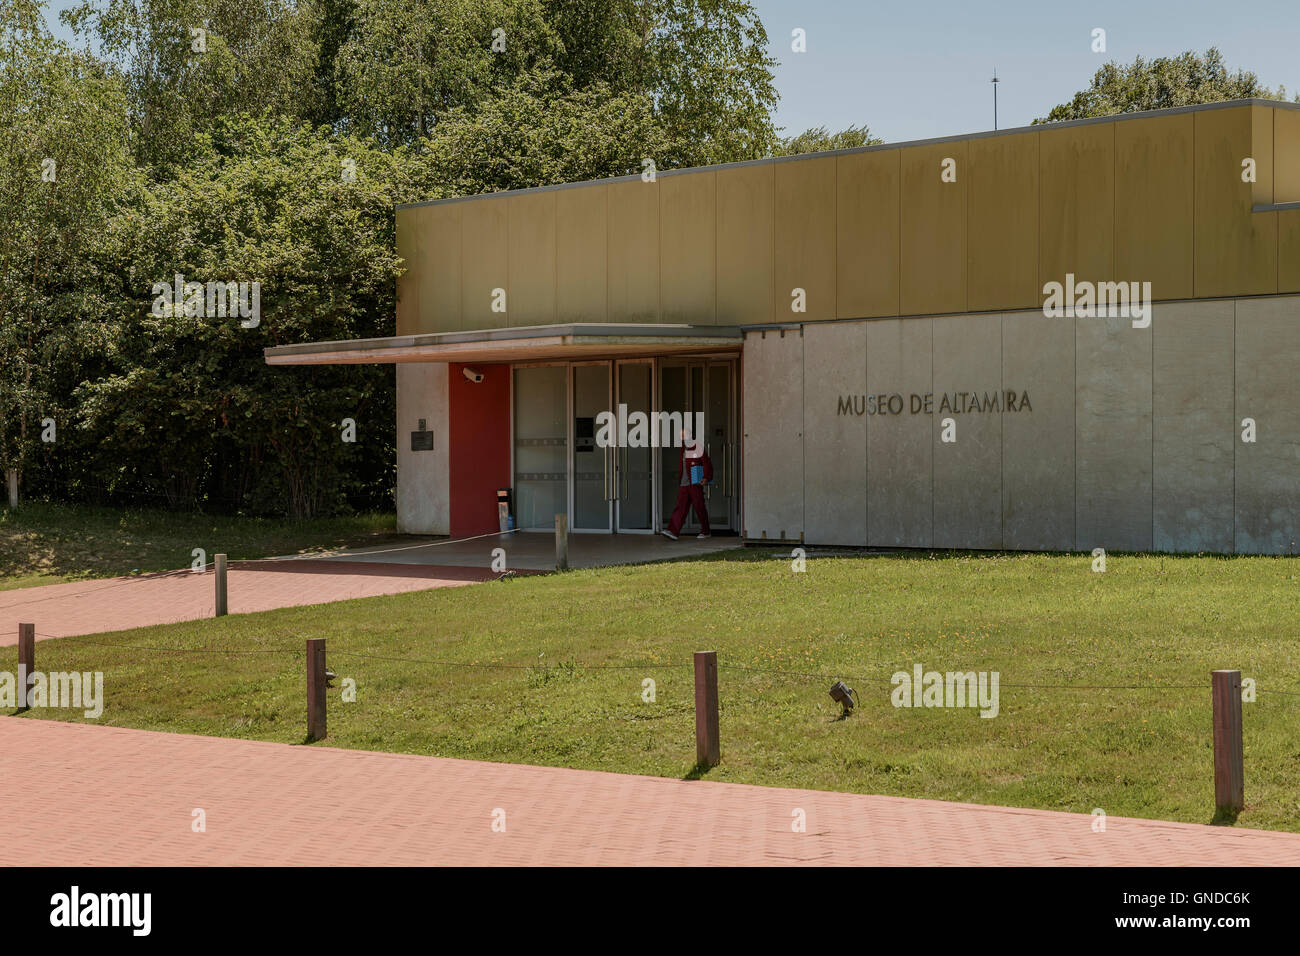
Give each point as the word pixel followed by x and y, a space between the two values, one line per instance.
pixel 48 543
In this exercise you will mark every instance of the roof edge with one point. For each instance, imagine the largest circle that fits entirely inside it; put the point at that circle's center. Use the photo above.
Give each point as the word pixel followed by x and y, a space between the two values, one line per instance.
pixel 881 147
pixel 524 332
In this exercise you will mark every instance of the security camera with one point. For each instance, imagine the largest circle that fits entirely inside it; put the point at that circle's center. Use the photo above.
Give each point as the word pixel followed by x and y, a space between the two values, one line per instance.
pixel 472 375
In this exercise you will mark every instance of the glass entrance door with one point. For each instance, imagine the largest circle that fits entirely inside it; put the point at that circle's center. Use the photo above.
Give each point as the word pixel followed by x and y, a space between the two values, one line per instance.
pixel 720 442
pixel 541 437
pixel 635 468
pixel 592 465
pixel 559 466
pixel 706 386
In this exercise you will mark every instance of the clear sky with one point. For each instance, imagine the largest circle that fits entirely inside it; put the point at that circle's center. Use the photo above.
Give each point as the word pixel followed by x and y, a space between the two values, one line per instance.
pixel 914 69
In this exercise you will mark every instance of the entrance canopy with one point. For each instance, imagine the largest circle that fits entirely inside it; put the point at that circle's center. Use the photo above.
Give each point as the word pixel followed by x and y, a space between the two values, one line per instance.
pixel 524 344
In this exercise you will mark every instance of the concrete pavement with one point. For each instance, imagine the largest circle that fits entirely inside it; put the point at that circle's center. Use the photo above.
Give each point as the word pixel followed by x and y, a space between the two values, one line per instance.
pixel 535 550
pixel 116 604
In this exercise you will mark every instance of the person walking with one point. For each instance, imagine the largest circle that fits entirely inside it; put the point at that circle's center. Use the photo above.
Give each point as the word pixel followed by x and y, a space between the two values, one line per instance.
pixel 695 470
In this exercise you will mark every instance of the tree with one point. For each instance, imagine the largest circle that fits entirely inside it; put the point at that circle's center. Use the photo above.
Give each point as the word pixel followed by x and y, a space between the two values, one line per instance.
pixel 818 139
pixel 187 62
pixel 190 410
pixel 706 66
pixel 407 65
pixel 539 132
pixel 214 138
pixel 64 169
pixel 1183 80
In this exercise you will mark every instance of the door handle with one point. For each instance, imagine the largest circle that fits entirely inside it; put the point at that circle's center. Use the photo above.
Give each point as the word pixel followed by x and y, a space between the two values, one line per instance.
pixel 609 473
pixel 706 489
pixel 725 475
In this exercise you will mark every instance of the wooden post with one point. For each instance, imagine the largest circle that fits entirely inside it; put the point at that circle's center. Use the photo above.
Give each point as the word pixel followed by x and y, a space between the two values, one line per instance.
pixel 1229 765
pixel 26 661
pixel 221 584
pixel 708 749
pixel 13 488
pixel 561 542
pixel 315 688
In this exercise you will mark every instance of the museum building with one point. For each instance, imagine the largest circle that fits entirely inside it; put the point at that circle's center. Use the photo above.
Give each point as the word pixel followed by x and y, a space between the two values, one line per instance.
pixel 1061 337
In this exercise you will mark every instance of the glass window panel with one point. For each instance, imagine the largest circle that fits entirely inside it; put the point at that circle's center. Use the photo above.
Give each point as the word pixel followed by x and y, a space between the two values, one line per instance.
pixel 541 442
pixel 590 487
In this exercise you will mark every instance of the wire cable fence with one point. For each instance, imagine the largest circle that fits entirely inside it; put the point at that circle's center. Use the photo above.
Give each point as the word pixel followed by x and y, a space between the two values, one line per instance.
pixel 542 664
pixel 793 675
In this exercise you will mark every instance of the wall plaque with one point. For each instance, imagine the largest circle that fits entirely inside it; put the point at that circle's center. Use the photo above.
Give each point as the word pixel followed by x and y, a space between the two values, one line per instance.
pixel 422 440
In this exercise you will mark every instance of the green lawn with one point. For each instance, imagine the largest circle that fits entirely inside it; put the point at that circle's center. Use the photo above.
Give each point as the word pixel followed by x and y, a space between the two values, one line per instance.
pixel 48 543
pixel 580 644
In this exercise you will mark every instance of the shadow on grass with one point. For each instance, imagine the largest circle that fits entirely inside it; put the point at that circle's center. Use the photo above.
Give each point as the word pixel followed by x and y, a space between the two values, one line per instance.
pixel 698 772
pixel 1224 817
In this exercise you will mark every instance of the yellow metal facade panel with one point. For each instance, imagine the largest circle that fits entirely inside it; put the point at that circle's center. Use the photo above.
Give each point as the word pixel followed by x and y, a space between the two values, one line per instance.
pixel 1236 250
pixel 1153 203
pixel 1288 250
pixel 866 230
pixel 532 259
pixel 804 247
pixel 745 244
pixel 581 247
pixel 1286 155
pixel 1261 150
pixel 1002 223
pixel 1148 199
pixel 484 267
pixel 932 238
pixel 440 298
pixel 633 280
pixel 688 247
pixel 408 283
pixel 1077 199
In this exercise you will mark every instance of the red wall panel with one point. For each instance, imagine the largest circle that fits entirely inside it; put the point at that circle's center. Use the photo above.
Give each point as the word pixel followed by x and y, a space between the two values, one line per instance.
pixel 479 427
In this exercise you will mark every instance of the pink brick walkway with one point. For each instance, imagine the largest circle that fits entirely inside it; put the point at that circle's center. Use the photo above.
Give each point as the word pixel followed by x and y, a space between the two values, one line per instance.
pixel 115 604
pixel 111 796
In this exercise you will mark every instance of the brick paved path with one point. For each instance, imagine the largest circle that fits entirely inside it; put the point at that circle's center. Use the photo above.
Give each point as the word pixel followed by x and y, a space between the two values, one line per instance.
pixel 115 604
pixel 111 796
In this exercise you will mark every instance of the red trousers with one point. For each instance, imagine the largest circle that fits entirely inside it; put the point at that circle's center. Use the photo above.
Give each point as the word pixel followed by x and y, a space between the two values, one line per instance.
pixel 688 496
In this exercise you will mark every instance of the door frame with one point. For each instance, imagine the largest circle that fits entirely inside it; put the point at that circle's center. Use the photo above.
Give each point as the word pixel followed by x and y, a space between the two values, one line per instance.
pixel 614 467
pixel 731 464
pixel 611 475
pixel 619 364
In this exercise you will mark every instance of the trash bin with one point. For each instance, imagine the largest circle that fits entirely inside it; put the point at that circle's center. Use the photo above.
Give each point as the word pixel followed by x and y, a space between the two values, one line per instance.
pixel 505 509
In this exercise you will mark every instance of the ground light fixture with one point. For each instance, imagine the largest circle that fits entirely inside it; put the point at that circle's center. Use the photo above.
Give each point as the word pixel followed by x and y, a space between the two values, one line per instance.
pixel 330 677
pixel 845 696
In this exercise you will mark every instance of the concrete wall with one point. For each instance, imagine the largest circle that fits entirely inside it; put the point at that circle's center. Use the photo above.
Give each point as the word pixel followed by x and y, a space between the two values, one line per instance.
pixel 1112 434
pixel 423 477
pixel 968 469
pixel 1192 426
pixel 1268 391
pixel 899 444
pixel 773 447
pixel 835 447
pixel 1118 437
pixel 1038 448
